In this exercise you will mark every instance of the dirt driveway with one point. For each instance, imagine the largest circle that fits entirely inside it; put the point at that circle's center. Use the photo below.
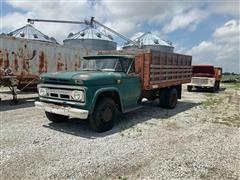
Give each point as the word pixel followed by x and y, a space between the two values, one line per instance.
pixel 200 139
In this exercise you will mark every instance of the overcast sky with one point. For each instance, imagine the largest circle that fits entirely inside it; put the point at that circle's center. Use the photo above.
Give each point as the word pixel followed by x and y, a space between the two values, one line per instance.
pixel 207 30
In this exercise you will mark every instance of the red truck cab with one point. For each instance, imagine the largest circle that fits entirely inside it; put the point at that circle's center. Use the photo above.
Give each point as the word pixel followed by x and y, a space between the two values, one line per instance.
pixel 205 76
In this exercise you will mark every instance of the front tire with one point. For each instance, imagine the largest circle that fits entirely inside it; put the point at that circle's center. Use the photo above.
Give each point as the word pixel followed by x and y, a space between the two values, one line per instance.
pixel 189 88
pixel 104 115
pixel 56 118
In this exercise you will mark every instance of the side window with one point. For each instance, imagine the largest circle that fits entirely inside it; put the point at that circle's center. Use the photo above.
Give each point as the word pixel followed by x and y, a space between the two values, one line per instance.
pixel 132 68
pixel 118 66
pixel 126 65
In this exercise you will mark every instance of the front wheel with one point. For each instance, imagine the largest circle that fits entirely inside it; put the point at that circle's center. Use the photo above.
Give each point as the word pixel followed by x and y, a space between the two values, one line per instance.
pixel 104 115
pixel 189 88
pixel 56 118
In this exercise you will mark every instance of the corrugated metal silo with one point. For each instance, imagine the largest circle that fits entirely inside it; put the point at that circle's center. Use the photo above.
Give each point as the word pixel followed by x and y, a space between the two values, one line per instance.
pixel 29 32
pixel 91 38
pixel 150 41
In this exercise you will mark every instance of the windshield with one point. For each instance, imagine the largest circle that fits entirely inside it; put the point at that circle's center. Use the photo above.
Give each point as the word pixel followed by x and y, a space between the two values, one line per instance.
pixel 207 71
pixel 203 69
pixel 101 64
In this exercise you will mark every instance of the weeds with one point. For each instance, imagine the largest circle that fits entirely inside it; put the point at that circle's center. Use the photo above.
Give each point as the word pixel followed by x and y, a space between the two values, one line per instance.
pixel 233 121
pixel 212 102
pixel 235 86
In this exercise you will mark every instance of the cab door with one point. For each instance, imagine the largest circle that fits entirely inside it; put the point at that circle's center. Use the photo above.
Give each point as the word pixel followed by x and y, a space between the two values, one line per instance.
pixel 130 86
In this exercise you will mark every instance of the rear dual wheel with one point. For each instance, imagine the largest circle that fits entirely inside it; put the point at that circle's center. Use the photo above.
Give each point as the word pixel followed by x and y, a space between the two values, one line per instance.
pixel 168 98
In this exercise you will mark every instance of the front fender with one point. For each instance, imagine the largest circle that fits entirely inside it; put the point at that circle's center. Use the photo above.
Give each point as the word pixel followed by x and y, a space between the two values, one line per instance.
pixel 99 91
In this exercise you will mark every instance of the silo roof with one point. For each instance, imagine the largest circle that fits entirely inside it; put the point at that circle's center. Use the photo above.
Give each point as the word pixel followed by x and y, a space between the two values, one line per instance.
pixel 149 39
pixel 90 33
pixel 29 32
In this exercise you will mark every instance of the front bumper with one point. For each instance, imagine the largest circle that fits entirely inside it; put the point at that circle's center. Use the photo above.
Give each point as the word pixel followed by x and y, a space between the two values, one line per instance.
pixel 202 82
pixel 66 111
pixel 200 85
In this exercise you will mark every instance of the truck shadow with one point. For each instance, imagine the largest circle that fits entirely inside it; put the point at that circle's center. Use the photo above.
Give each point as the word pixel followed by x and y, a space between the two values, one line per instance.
pixel 202 90
pixel 7 105
pixel 149 111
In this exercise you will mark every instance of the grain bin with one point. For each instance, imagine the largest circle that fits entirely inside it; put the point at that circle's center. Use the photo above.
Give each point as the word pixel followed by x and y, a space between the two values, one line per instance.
pixel 31 33
pixel 91 38
pixel 150 41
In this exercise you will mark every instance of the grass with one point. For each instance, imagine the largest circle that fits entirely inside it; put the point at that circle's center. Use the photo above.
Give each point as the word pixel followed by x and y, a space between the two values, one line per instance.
pixel 210 94
pixel 235 86
pixel 212 101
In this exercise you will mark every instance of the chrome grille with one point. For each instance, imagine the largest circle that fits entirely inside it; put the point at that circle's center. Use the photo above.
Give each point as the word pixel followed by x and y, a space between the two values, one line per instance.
pixel 59 93
pixel 199 81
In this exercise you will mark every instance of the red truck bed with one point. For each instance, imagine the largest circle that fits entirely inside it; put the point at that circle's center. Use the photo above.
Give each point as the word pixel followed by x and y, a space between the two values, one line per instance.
pixel 159 69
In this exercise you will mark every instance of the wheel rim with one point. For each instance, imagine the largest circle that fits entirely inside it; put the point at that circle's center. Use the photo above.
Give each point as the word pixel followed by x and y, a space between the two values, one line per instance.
pixel 106 114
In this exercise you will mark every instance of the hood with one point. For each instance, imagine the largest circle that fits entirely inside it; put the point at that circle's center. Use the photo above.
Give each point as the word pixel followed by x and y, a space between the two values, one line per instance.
pixel 81 77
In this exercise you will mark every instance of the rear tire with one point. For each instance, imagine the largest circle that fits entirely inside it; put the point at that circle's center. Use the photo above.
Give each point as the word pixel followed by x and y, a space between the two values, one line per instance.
pixel 162 98
pixel 171 98
pixel 104 115
pixel 56 118
pixel 214 88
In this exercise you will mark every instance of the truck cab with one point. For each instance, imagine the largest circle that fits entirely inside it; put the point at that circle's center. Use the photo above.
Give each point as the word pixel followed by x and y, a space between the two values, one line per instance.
pixel 104 85
pixel 205 77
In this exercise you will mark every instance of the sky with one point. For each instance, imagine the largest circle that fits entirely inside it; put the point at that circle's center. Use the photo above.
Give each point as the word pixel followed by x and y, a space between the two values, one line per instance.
pixel 208 30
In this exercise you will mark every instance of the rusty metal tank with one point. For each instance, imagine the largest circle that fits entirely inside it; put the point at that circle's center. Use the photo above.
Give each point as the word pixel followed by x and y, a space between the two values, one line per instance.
pixel 149 40
pixel 91 38
pixel 26 59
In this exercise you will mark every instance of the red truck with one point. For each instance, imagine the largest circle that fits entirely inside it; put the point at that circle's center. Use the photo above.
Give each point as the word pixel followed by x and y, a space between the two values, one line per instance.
pixel 205 77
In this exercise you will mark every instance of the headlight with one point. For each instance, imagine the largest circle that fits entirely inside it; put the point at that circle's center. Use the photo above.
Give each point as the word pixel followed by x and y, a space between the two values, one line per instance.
pixel 78 95
pixel 42 91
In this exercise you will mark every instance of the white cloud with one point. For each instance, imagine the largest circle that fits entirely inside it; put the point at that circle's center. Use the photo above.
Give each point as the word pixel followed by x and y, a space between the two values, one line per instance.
pixel 134 15
pixel 221 50
pixel 62 10
pixel 230 32
pixel 126 17
pixel 15 20
pixel 129 17
pixel 225 7
pixel 188 19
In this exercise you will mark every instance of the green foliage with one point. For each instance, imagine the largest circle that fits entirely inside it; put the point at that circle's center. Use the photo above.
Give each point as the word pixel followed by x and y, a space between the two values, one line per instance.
pixel 231 78
pixel 211 102
pixel 235 86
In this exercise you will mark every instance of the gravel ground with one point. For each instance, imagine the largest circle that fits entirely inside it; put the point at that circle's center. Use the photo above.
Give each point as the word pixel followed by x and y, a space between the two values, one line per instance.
pixel 200 139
